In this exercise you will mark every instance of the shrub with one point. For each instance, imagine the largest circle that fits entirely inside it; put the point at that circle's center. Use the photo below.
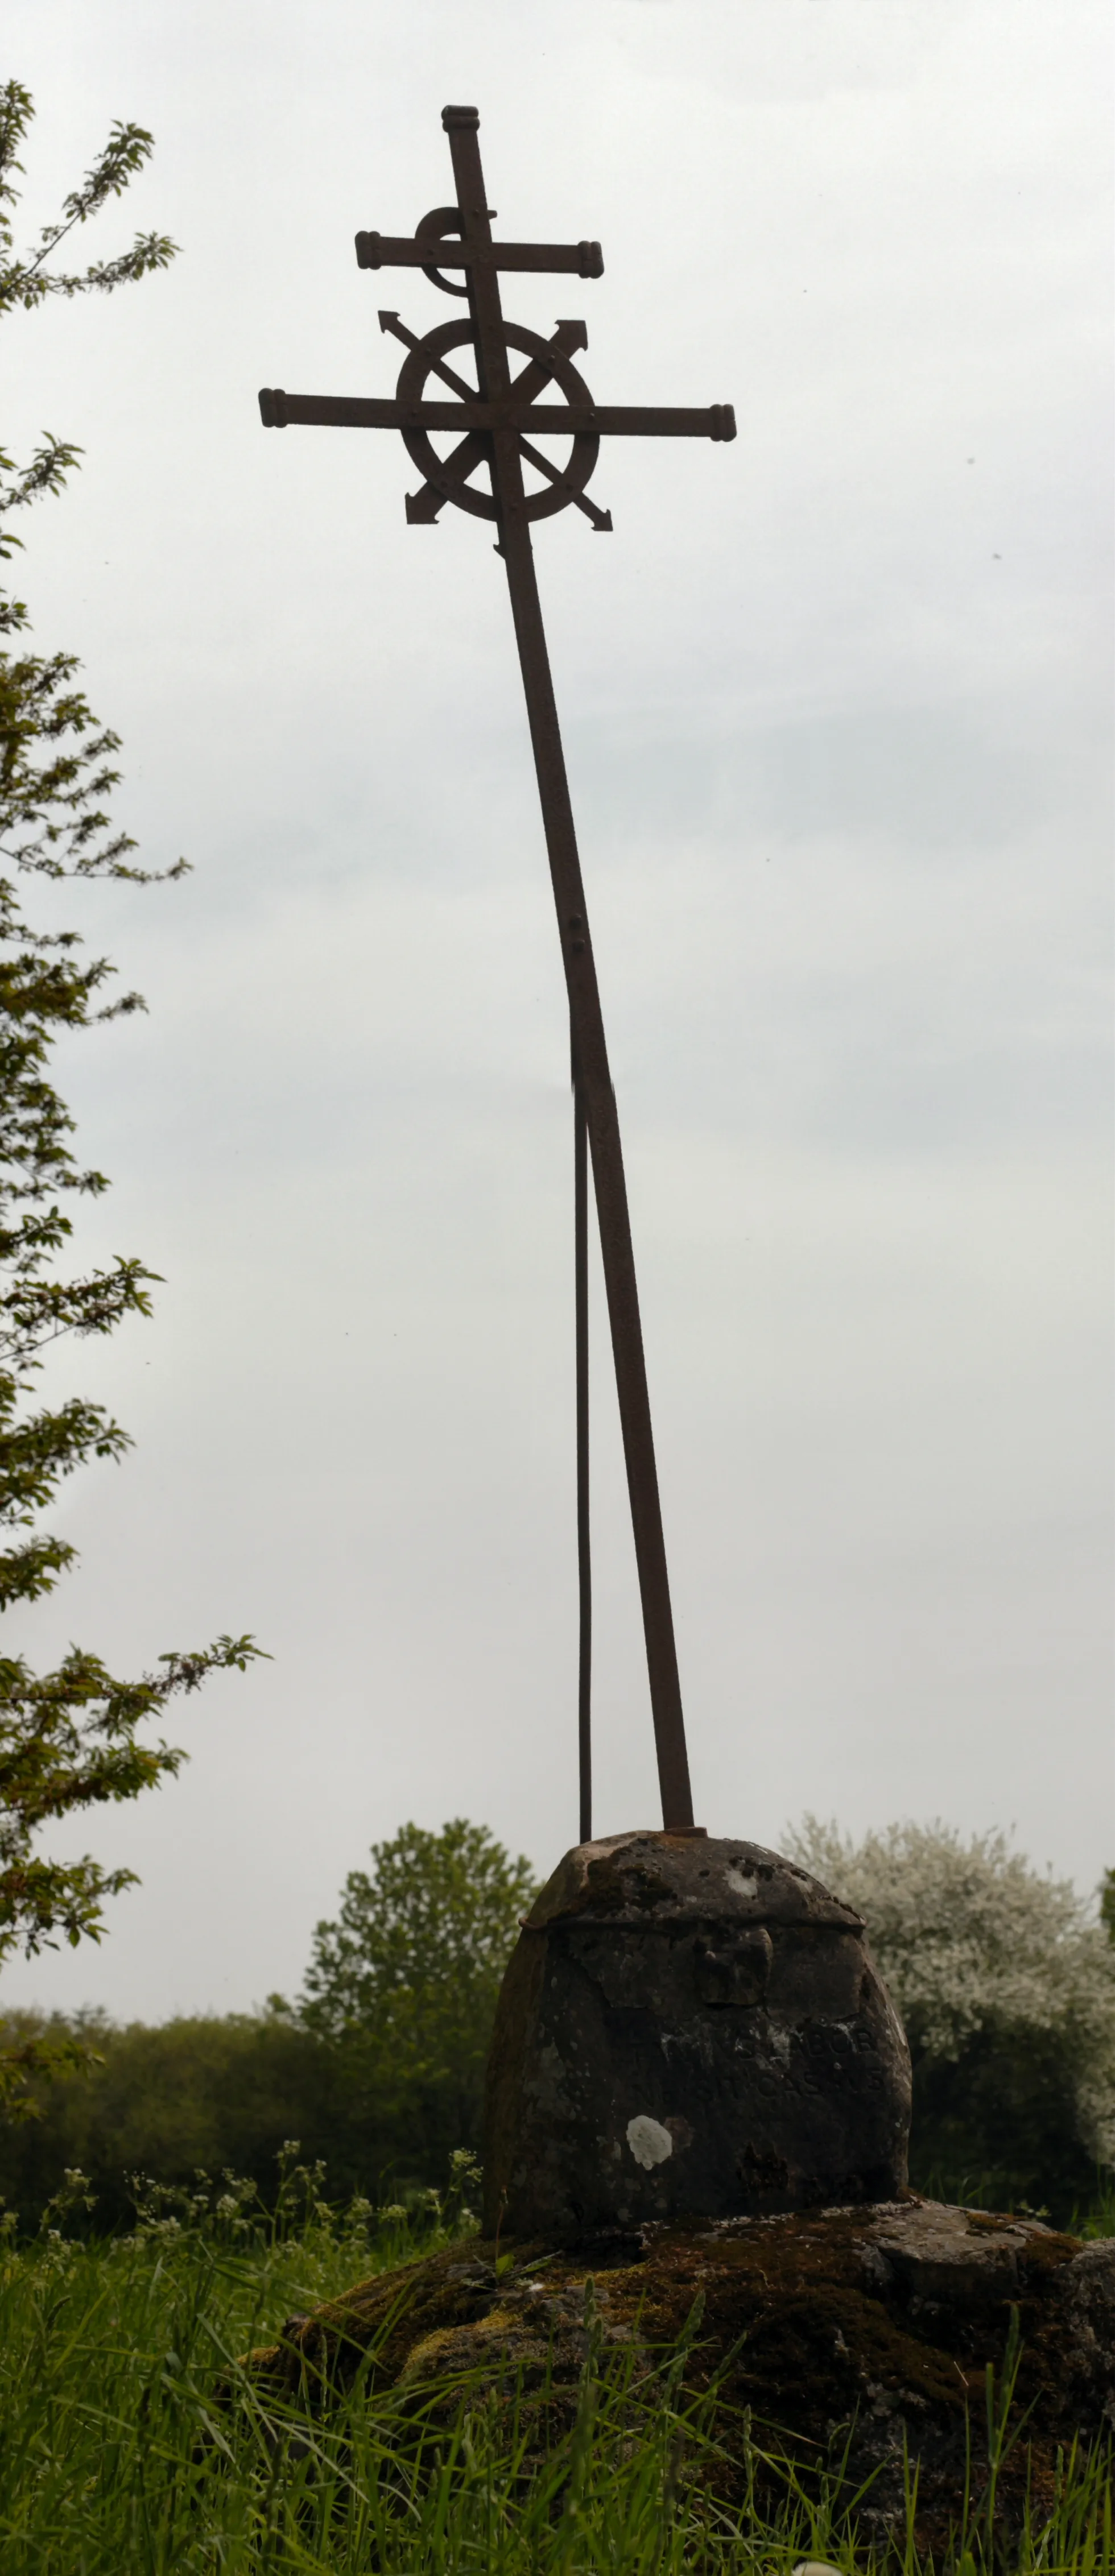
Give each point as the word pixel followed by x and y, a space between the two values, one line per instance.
pixel 200 2093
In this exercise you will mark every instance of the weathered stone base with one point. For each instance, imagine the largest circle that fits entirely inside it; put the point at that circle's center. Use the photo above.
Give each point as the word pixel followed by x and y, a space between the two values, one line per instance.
pixel 870 2327
pixel 689 2024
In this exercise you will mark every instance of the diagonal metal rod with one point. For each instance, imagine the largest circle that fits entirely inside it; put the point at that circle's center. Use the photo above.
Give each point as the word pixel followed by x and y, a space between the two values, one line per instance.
pixel 584 1532
pixel 584 999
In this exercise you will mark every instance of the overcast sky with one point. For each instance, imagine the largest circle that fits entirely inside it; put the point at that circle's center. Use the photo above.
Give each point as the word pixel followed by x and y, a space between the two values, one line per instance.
pixel 835 707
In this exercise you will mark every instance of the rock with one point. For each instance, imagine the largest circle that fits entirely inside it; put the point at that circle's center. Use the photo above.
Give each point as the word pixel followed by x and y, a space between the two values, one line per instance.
pixel 855 2335
pixel 689 2027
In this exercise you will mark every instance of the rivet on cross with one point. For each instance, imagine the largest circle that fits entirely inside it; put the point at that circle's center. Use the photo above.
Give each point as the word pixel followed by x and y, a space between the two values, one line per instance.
pixel 501 418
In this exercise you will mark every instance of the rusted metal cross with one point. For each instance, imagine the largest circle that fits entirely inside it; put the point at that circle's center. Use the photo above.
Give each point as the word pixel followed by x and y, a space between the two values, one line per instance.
pixel 501 418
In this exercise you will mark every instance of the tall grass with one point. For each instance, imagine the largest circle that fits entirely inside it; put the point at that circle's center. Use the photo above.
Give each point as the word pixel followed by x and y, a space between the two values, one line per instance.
pixel 134 2444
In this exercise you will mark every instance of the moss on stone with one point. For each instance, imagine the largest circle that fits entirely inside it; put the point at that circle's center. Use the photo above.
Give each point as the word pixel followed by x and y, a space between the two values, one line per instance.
pixel 860 2331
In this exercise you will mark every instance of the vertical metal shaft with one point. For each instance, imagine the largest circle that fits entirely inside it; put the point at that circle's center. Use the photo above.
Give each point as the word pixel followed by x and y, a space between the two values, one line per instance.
pixel 584 1537
pixel 584 998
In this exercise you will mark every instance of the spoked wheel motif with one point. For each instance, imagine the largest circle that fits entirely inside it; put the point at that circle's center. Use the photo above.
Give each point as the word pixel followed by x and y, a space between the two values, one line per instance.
pixel 449 477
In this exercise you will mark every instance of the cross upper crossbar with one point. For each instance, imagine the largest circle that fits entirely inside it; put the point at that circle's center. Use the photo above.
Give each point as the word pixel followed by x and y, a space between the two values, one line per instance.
pixel 396 250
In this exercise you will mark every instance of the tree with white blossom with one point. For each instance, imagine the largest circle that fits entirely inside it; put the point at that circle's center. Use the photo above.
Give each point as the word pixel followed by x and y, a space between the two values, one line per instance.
pixel 1005 1980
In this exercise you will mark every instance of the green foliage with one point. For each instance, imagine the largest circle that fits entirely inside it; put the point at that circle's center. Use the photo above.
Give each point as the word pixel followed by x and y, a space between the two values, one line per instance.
pixel 379 2072
pixel 404 1985
pixel 29 281
pixel 55 758
pixel 136 2445
pixel 68 1739
pixel 1006 1986
pixel 199 2092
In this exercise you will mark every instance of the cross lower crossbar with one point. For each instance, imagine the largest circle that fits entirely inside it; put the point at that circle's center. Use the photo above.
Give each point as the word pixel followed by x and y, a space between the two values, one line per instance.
pixel 570 420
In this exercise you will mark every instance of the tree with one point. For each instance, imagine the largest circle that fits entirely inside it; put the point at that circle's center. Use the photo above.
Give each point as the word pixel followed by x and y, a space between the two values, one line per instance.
pixel 1006 1985
pixel 404 1984
pixel 68 1739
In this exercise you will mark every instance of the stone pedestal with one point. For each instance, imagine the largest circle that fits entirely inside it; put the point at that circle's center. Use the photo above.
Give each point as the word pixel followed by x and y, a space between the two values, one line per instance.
pixel 855 2343
pixel 689 2027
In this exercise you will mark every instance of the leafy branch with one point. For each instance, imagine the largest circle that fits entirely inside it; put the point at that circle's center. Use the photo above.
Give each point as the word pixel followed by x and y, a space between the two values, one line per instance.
pixel 29 281
pixel 69 1739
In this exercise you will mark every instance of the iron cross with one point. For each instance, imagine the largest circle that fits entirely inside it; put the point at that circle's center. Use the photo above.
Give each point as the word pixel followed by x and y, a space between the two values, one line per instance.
pixel 497 422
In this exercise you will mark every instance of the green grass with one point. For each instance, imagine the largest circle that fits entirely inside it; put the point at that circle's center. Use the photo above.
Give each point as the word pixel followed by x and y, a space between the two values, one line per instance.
pixel 121 2457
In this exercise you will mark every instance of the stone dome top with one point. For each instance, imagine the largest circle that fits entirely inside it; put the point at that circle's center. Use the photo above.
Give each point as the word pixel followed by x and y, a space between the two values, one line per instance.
pixel 653 1878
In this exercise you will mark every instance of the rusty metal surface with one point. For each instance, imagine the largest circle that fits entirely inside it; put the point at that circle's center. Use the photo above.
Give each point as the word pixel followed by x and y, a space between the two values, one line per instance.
pixel 576 419
pixel 584 1530
pixel 496 423
pixel 392 250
